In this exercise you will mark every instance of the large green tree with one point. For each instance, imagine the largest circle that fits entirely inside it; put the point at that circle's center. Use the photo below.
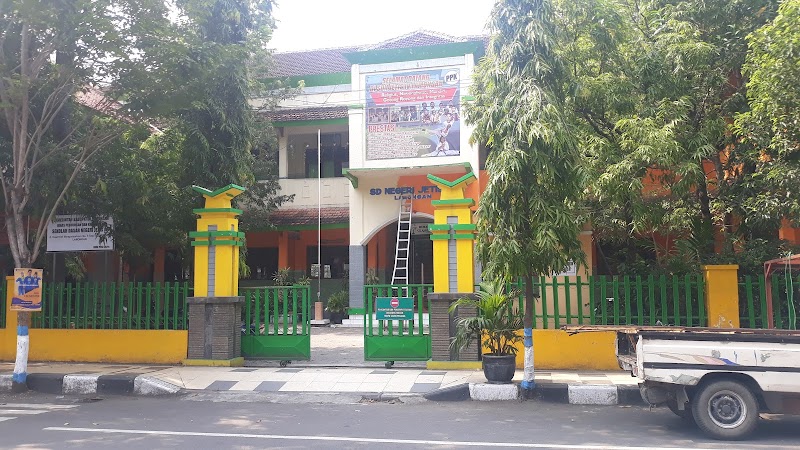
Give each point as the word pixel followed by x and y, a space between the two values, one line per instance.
pixel 527 219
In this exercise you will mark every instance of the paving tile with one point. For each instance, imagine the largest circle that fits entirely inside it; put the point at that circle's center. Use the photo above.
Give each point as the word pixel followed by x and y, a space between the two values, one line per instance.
pixel 383 372
pixel 346 387
pixel 244 370
pixel 434 372
pixel 270 386
pixel 372 387
pixel 321 386
pixel 295 386
pixel 398 386
pixel 304 377
pixel 424 387
pixel 290 370
pixel 377 378
pixel 353 378
pixel 430 379
pixel 248 386
pixel 220 385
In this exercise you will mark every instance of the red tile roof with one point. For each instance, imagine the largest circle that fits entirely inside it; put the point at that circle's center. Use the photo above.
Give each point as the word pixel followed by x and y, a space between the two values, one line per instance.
pixel 308 216
pixel 319 113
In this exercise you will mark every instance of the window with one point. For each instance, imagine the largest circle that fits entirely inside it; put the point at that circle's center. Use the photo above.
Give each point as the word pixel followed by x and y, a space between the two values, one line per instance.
pixel 302 155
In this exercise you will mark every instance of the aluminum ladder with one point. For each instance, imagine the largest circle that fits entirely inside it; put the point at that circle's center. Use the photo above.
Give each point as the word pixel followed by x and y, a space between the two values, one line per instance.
pixel 400 273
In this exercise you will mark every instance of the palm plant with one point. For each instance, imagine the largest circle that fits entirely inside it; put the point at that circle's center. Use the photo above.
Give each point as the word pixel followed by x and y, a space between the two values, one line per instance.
pixel 496 324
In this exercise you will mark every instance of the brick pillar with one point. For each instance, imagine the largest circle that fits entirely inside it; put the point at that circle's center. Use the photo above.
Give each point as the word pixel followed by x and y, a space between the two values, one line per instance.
pixel 443 325
pixel 215 329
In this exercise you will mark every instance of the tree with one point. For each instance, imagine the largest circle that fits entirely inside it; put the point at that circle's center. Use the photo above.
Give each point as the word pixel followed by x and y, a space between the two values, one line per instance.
pixel 95 42
pixel 772 124
pixel 528 222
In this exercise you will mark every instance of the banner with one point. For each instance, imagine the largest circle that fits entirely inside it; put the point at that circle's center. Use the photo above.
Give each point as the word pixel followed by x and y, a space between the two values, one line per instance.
pixel 413 114
pixel 27 290
pixel 72 233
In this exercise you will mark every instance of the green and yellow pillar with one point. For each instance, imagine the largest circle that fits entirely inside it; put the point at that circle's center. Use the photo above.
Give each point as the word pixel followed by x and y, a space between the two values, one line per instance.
pixel 215 309
pixel 453 236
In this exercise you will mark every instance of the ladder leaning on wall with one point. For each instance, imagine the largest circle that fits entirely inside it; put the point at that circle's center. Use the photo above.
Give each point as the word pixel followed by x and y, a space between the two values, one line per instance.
pixel 400 273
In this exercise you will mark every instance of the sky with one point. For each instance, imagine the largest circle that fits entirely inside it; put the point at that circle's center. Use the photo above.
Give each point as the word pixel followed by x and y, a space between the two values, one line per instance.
pixel 312 24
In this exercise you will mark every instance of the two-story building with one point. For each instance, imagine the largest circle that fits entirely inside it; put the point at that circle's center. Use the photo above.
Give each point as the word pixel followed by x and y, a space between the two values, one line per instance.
pixel 370 123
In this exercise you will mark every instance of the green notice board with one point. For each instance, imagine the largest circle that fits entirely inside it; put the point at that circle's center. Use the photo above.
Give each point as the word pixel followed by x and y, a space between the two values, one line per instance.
pixel 395 308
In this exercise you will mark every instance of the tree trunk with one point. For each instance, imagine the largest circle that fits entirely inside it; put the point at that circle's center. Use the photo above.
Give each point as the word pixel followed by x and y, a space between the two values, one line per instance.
pixel 527 322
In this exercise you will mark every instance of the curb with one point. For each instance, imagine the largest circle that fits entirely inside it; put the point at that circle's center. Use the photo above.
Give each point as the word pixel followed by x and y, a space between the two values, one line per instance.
pixel 82 384
pixel 573 394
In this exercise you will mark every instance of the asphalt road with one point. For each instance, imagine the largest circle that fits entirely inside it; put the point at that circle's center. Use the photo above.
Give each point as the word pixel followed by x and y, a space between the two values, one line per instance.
pixel 248 421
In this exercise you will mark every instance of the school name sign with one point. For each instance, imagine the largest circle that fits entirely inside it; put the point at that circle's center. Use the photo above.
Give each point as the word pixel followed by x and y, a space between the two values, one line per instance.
pixel 74 233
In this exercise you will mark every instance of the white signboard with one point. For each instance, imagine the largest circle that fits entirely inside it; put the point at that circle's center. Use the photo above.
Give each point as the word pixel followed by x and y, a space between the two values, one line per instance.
pixel 418 229
pixel 570 271
pixel 72 233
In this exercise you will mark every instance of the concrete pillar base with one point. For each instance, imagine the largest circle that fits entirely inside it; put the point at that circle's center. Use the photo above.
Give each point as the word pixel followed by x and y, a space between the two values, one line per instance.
pixel 215 328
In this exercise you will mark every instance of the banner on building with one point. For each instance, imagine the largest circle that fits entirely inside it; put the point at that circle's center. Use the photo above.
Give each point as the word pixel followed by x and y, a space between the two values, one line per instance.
pixel 73 233
pixel 27 290
pixel 413 114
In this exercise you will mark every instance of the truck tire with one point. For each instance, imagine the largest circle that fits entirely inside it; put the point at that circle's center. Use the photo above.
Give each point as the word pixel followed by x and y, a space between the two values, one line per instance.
pixel 685 414
pixel 725 409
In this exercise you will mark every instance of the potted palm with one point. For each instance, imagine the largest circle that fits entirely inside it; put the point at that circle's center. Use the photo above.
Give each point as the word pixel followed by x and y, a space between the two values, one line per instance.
pixel 338 304
pixel 496 325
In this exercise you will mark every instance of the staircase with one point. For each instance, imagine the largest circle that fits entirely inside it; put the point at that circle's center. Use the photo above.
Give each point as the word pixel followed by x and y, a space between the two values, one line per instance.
pixel 400 273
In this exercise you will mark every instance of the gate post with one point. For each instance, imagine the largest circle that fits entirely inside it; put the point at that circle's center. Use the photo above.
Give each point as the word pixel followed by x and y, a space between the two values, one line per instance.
pixel 215 311
pixel 453 236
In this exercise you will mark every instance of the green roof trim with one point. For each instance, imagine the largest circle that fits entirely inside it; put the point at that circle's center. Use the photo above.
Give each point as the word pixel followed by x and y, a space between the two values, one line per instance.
pixel 417 53
pixel 231 243
pixel 464 227
pixel 465 178
pixel 217 210
pixel 223 190
pixel 200 243
pixel 317 79
pixel 353 179
pixel 464 236
pixel 355 106
pixel 440 237
pixel 467 98
pixel 455 201
pixel 306 123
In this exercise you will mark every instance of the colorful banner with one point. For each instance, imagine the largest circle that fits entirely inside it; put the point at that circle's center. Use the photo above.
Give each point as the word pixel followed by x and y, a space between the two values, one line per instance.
pixel 27 290
pixel 413 114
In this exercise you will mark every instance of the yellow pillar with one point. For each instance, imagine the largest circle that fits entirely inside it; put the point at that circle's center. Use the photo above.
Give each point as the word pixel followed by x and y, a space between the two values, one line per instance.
pixel 218 235
pixel 722 295
pixel 458 234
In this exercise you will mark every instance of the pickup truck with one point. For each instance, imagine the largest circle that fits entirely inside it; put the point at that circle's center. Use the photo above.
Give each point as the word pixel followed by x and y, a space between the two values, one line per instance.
pixel 721 379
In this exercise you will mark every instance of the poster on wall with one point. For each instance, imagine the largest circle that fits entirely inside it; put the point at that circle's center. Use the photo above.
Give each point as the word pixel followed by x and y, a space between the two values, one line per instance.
pixel 27 290
pixel 413 114
pixel 73 233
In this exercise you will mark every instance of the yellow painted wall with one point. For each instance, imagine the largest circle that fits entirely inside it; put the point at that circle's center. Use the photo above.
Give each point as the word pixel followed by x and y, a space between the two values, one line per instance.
pixel 722 295
pixel 557 350
pixel 111 346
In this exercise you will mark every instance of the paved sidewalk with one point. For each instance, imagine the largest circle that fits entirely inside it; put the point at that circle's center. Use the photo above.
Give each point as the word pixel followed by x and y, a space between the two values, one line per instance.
pixel 364 380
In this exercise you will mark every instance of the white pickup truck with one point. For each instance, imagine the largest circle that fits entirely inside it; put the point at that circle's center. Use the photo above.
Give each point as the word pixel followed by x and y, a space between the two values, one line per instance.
pixel 719 378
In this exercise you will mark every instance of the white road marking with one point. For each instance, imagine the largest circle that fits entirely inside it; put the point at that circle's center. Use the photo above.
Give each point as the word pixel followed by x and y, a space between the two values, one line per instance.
pixel 366 440
pixel 29 409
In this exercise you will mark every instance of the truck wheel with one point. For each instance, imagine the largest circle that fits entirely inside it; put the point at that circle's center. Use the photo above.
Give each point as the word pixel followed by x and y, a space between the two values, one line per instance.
pixel 685 414
pixel 725 409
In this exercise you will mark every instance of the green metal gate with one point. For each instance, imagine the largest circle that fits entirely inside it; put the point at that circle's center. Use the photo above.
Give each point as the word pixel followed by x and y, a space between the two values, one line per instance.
pixel 397 340
pixel 276 322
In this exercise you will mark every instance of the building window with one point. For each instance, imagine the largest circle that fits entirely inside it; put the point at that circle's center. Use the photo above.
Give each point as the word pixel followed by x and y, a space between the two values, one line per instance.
pixel 302 155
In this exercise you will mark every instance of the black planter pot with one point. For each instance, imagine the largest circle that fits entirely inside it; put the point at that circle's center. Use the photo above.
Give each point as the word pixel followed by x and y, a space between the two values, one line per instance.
pixel 499 369
pixel 336 318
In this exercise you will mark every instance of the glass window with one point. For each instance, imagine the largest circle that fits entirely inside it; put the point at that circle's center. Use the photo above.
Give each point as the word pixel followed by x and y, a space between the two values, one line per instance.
pixel 302 155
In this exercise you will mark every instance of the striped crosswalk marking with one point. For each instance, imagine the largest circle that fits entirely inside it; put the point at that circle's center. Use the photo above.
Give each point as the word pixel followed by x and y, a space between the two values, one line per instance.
pixel 10 411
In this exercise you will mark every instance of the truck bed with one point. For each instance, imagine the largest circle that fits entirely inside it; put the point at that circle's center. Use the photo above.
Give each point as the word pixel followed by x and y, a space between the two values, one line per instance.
pixel 695 333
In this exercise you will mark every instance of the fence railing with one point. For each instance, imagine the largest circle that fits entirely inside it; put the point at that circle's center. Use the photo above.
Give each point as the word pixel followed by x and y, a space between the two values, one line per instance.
pixel 113 306
pixel 279 310
pixel 753 311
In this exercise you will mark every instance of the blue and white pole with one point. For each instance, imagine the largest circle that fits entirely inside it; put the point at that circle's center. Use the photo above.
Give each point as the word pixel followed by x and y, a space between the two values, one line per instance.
pixel 20 376
pixel 527 377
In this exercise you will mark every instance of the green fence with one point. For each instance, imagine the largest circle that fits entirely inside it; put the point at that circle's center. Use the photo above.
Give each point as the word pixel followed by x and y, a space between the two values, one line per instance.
pixel 753 312
pixel 397 340
pixel 276 322
pixel 113 306
pixel 603 300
